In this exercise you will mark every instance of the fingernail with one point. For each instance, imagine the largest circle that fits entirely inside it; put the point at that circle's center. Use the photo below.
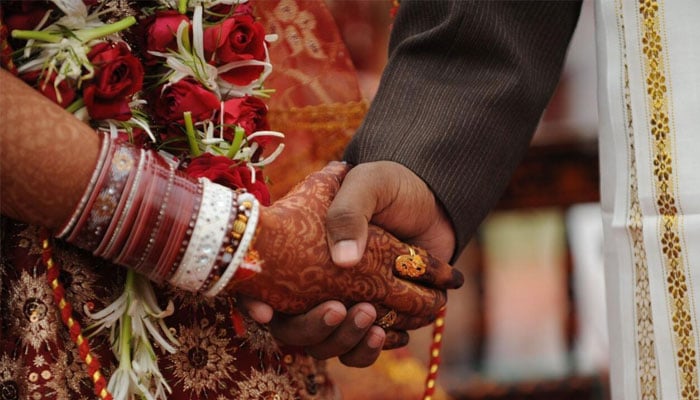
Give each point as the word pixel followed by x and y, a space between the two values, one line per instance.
pixel 375 341
pixel 363 320
pixel 332 318
pixel 457 279
pixel 345 252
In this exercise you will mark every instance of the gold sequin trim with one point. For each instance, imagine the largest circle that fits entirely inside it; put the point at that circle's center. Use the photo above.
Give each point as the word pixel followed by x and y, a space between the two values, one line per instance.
pixel 682 320
pixel 328 122
pixel 326 116
pixel 647 363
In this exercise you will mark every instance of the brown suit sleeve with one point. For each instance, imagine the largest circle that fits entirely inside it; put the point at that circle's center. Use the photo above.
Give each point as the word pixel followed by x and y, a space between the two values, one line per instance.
pixel 464 89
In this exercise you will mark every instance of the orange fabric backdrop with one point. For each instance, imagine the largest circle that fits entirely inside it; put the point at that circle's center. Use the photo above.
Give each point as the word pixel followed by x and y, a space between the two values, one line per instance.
pixel 317 102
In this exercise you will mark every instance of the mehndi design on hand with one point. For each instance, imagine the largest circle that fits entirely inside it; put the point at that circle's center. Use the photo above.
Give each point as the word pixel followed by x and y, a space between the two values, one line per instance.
pixel 298 272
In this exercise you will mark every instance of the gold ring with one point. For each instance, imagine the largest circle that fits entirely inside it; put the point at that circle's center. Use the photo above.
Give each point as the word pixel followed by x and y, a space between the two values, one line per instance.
pixel 410 265
pixel 387 320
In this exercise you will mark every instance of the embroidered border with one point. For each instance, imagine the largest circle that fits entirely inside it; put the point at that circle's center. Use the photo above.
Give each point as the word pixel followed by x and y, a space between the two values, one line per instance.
pixel 647 363
pixel 666 203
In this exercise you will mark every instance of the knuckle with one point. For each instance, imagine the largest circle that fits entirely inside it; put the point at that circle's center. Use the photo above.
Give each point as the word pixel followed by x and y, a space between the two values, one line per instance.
pixel 343 220
pixel 358 361
pixel 319 354
pixel 293 334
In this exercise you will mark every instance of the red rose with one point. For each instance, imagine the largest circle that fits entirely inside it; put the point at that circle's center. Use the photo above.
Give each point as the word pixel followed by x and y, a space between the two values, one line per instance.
pixel 226 10
pixel 65 90
pixel 184 95
pixel 160 32
pixel 236 39
pixel 243 9
pixel 229 173
pixel 138 137
pixel 24 14
pixel 118 75
pixel 258 189
pixel 250 113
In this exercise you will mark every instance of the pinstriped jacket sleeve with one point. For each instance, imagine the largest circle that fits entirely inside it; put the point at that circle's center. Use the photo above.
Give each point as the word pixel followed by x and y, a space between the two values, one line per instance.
pixel 464 88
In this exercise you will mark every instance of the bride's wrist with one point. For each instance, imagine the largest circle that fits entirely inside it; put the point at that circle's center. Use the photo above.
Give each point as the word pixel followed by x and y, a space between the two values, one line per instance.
pixel 139 213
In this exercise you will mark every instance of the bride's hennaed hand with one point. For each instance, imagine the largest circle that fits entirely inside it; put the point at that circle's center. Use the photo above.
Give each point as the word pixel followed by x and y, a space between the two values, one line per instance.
pixel 298 272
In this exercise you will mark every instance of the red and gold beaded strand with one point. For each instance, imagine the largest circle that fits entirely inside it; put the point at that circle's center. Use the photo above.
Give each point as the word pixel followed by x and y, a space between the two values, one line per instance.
pixel 435 350
pixel 53 269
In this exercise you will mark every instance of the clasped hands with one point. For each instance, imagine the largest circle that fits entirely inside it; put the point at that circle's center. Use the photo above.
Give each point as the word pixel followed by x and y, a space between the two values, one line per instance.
pixel 332 278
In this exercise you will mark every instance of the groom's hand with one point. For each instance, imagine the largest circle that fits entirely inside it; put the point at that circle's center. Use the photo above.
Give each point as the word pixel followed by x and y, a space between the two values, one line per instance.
pixel 330 330
pixel 389 195
pixel 299 272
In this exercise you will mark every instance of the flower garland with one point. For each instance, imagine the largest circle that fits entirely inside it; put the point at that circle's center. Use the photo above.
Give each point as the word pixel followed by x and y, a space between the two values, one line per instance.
pixel 182 77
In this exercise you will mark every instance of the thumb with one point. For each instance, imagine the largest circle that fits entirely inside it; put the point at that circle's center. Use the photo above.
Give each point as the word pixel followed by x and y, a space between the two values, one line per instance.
pixel 350 212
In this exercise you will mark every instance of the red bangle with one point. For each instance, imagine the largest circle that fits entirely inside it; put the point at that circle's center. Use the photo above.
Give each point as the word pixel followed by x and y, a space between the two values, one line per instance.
pixel 91 230
pixel 105 152
pixel 178 201
pixel 143 265
pixel 186 215
pixel 137 244
pixel 128 206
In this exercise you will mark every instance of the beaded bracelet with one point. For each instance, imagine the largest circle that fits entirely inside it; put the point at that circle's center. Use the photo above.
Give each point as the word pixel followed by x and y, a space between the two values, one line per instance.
pixel 235 233
pixel 246 202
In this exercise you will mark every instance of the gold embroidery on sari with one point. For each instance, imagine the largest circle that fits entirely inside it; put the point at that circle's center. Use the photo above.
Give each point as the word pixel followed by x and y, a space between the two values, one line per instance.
pixel 331 124
pixel 14 381
pixel 319 134
pixel 265 385
pixel 259 339
pixel 658 107
pixel 34 320
pixel 205 361
pixel 646 354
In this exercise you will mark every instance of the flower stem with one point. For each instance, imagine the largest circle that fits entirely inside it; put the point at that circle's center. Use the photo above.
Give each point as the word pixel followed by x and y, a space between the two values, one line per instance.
pixel 86 35
pixel 75 106
pixel 125 328
pixel 236 144
pixel 189 129
pixel 264 93
pixel 182 6
pixel 36 35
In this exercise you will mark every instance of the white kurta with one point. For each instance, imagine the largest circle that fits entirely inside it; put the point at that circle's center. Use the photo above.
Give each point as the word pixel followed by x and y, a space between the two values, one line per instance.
pixel 649 110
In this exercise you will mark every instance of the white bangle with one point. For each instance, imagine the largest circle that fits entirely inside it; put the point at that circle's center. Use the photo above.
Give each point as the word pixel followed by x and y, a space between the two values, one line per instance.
pixel 243 245
pixel 207 237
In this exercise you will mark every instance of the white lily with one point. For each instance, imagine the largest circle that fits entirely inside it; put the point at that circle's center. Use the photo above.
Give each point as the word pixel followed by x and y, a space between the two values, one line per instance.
pixel 189 60
pixel 229 90
pixel 203 138
pixel 134 319
pixel 62 47
pixel 254 147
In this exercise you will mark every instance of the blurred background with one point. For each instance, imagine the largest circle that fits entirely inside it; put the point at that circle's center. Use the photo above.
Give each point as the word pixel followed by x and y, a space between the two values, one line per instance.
pixel 530 321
